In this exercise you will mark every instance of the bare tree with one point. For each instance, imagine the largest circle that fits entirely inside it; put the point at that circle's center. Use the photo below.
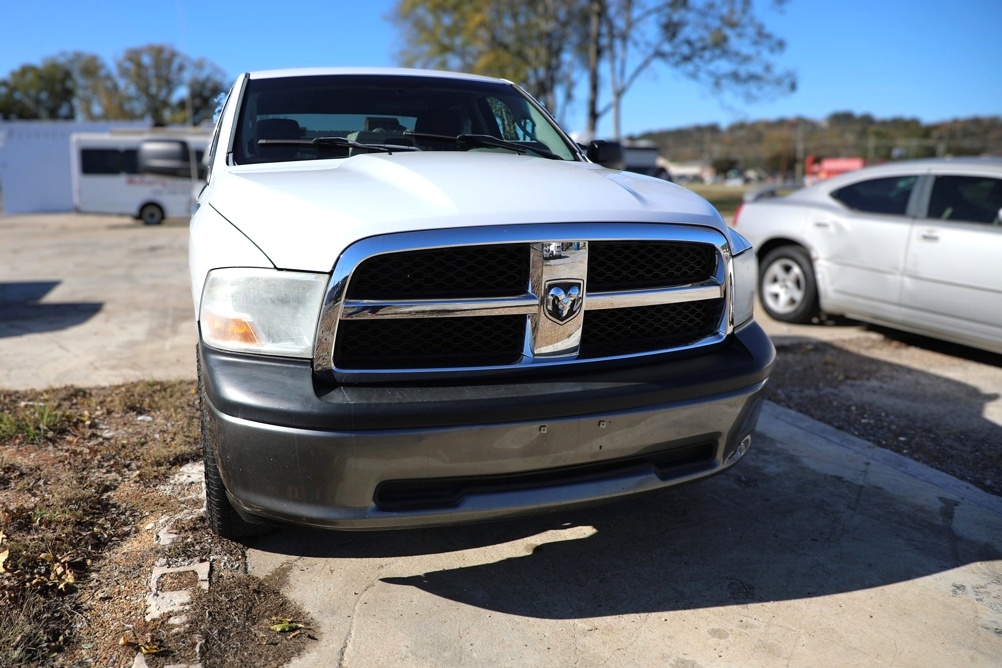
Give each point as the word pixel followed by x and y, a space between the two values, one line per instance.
pixel 530 42
pixel 721 43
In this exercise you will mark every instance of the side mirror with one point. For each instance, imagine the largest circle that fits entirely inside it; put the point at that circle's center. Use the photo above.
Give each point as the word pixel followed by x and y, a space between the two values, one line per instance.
pixel 168 157
pixel 607 153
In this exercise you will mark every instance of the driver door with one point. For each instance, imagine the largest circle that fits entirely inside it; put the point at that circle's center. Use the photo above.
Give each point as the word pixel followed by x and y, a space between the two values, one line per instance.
pixel 953 276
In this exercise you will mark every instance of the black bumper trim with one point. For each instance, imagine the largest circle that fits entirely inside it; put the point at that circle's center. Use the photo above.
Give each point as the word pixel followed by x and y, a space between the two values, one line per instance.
pixel 285 392
pixel 417 494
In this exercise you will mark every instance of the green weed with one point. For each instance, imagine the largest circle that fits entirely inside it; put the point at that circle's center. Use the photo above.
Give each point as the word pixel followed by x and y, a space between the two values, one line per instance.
pixel 33 423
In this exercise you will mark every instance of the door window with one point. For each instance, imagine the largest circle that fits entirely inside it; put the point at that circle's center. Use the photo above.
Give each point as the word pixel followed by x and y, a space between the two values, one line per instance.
pixel 972 199
pixel 888 195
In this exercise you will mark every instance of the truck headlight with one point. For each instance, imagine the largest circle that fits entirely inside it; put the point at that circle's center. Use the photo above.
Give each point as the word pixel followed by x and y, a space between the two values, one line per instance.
pixel 744 276
pixel 261 310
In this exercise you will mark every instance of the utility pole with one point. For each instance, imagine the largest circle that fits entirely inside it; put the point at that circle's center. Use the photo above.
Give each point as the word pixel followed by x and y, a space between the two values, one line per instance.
pixel 799 174
pixel 188 106
pixel 596 11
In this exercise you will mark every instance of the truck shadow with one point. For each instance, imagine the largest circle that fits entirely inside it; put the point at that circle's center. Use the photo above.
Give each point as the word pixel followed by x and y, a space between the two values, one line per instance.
pixel 771 530
pixel 774 528
pixel 21 313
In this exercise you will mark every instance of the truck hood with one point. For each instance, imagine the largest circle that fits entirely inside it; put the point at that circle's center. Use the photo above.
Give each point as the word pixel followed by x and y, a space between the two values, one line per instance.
pixel 303 215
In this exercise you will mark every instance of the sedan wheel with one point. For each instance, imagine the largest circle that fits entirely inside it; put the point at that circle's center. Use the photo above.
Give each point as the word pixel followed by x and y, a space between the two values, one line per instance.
pixel 787 286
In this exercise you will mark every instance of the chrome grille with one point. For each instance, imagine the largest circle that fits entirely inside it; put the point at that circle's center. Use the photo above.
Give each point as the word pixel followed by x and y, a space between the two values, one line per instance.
pixel 470 300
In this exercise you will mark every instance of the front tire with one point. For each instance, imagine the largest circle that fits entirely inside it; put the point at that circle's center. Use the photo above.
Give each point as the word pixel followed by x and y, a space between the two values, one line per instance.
pixel 787 285
pixel 151 214
pixel 219 512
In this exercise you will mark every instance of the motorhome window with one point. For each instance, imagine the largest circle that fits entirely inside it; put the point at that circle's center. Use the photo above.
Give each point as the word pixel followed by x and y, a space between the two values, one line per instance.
pixel 130 161
pixel 108 161
pixel 100 161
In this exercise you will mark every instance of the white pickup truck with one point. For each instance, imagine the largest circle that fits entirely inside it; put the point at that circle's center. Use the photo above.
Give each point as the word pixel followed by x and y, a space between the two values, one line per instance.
pixel 419 303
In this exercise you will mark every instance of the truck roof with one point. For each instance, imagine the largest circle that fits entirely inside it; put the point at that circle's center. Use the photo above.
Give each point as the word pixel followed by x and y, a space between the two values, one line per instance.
pixel 375 71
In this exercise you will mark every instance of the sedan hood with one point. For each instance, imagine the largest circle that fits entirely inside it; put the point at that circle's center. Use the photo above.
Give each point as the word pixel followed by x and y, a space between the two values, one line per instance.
pixel 302 215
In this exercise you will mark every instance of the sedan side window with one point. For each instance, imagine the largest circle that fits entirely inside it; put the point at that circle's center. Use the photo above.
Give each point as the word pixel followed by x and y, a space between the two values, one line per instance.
pixel 973 199
pixel 887 195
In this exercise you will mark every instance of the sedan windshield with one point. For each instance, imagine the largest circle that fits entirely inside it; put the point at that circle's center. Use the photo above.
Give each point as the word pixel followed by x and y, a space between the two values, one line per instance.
pixel 338 116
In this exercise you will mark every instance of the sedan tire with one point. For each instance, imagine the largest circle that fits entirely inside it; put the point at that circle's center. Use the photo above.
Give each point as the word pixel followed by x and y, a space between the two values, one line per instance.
pixel 787 286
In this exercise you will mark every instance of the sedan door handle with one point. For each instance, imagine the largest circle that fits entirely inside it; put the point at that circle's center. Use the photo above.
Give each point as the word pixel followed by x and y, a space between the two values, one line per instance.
pixel 930 235
pixel 822 223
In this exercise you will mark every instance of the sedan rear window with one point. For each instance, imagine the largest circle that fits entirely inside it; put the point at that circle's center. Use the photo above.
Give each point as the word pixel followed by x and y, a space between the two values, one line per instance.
pixel 887 195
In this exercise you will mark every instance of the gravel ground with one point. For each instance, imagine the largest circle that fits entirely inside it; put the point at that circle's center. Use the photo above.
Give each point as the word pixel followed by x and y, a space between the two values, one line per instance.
pixel 901 392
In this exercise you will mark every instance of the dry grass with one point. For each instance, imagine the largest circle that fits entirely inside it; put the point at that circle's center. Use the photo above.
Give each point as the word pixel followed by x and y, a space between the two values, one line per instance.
pixel 65 453
pixel 725 199
pixel 83 489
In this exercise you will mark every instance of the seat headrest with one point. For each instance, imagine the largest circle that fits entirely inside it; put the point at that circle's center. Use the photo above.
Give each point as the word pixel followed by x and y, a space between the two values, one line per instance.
pixel 277 128
pixel 446 122
pixel 383 123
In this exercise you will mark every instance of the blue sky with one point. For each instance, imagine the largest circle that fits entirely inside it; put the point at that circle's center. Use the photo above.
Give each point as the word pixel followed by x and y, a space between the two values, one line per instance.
pixel 918 58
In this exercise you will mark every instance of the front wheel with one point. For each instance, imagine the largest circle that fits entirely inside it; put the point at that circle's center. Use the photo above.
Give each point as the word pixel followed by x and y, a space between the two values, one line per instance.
pixel 787 286
pixel 151 214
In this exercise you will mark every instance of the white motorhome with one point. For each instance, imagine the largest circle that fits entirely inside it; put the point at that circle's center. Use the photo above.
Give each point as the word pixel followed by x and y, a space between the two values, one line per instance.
pixel 106 177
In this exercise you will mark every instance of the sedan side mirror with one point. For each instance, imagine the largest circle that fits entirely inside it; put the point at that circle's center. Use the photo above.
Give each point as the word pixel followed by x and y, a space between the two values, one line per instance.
pixel 168 157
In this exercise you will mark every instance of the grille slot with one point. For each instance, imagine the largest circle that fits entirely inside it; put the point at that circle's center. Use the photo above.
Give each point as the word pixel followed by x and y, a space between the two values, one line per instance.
pixel 500 270
pixel 638 265
pixel 628 331
pixel 430 342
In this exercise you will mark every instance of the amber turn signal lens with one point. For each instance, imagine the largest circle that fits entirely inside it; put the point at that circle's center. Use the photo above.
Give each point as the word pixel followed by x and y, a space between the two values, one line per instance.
pixel 231 328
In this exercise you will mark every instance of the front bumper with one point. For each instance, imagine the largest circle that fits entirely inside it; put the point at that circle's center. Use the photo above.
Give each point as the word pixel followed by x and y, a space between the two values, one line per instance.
pixel 373 457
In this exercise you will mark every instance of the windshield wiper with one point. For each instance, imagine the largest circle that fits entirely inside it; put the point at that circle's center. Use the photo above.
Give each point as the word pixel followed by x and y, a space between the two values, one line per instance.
pixel 466 141
pixel 344 141
pixel 336 142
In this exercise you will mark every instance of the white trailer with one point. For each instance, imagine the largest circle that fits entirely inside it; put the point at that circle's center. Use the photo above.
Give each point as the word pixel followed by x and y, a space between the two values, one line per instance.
pixel 644 159
pixel 106 177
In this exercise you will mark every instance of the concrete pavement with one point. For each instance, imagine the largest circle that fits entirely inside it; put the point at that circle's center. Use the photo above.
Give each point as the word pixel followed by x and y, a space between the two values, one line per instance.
pixel 818 549
pixel 93 300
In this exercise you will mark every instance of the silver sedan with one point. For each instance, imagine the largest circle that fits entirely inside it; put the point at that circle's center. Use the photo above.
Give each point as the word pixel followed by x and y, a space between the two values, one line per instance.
pixel 913 245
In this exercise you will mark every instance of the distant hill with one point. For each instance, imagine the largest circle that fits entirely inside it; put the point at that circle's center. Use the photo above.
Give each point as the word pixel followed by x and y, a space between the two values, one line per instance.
pixel 774 146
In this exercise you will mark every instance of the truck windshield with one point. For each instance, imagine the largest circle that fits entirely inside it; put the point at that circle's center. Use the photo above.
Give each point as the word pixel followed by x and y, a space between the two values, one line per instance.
pixel 338 116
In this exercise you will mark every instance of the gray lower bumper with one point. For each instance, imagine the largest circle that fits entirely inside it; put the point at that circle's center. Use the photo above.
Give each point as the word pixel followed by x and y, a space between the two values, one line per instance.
pixel 330 478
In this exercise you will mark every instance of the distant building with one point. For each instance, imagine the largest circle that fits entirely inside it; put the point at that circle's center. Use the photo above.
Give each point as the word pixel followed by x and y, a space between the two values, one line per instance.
pixel 35 162
pixel 643 158
pixel 818 170
pixel 692 171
